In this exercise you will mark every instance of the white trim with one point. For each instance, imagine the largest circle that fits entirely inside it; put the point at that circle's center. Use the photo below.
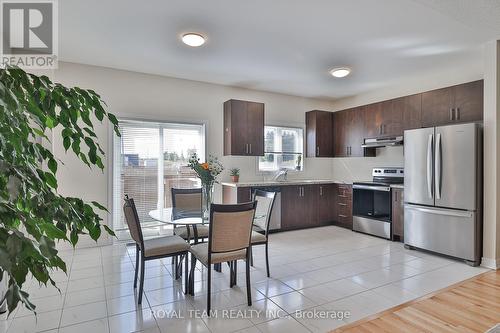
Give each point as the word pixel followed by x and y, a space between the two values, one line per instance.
pixel 490 263
pixel 154 123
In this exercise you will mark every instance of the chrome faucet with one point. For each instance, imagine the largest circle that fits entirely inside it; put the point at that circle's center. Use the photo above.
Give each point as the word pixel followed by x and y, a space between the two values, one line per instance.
pixel 281 175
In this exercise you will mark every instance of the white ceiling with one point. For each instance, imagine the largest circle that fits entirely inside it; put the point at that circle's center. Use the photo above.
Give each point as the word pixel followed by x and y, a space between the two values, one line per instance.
pixel 284 46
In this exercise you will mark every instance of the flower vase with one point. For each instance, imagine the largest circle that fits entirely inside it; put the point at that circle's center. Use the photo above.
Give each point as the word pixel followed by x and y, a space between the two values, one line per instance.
pixel 207 192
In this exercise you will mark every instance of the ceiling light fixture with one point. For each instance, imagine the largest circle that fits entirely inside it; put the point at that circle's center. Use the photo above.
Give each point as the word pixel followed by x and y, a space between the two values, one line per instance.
pixel 193 39
pixel 340 72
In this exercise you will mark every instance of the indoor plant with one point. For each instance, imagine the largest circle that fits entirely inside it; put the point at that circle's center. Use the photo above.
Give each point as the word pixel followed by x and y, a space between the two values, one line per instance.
pixel 33 215
pixel 235 174
pixel 207 172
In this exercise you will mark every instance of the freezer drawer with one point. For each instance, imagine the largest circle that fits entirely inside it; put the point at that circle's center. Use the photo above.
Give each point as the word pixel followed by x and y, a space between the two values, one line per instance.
pixel 445 231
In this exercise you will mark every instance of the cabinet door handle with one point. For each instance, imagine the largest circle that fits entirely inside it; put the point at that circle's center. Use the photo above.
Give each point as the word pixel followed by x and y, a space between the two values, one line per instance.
pixel 380 129
pixel 342 204
pixel 246 148
pixel 457 114
pixel 250 148
pixel 451 113
pixel 317 151
pixel 321 190
pixel 341 215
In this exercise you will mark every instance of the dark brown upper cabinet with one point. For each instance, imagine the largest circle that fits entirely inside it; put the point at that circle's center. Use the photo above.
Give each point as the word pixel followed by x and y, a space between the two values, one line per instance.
pixel 243 128
pixel 373 119
pixel 461 103
pixel 410 108
pixel 469 99
pixel 383 119
pixel 319 134
pixel 348 129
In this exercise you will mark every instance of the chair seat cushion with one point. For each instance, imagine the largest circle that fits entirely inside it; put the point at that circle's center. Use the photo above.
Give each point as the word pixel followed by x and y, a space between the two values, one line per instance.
pixel 200 251
pixel 201 229
pixel 164 246
pixel 257 237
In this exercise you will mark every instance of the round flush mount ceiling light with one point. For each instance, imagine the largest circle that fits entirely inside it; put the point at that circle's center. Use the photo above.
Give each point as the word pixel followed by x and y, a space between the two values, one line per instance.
pixel 193 39
pixel 340 72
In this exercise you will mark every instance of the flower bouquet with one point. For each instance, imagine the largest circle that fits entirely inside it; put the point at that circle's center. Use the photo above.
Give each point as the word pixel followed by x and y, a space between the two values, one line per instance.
pixel 207 172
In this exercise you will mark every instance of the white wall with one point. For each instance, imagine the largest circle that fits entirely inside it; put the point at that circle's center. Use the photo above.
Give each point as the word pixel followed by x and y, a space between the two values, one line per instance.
pixel 135 95
pixel 360 168
pixel 491 226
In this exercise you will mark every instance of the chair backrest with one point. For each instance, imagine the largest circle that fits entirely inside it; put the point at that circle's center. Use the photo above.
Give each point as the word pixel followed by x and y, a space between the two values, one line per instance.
pixel 265 204
pixel 230 227
pixel 186 202
pixel 133 222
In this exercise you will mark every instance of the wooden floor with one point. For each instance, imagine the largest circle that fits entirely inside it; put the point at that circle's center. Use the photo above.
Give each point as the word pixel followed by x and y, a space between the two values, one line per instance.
pixel 469 306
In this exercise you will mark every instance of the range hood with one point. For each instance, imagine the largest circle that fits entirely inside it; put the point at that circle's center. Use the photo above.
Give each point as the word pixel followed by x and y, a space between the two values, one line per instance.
pixel 383 142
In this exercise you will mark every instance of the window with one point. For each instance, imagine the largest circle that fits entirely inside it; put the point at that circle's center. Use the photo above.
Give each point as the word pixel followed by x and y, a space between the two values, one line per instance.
pixel 283 149
pixel 149 159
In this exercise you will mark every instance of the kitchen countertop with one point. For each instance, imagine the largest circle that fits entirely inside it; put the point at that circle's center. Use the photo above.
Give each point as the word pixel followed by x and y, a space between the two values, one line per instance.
pixel 262 183
pixel 258 183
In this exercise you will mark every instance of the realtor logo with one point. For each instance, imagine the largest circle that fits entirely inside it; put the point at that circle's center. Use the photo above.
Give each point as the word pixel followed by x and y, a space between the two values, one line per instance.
pixel 29 33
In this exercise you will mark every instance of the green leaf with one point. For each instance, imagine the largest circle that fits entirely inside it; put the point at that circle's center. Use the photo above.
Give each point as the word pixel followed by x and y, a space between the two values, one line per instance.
pixel 73 237
pixel 52 164
pixel 113 119
pixel 98 205
pixel 51 180
pixel 95 232
pixel 111 232
pixel 66 142
pixel 52 231
pixel 49 122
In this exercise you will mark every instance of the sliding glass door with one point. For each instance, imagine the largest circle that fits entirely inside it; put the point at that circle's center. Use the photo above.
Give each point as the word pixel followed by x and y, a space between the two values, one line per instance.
pixel 149 159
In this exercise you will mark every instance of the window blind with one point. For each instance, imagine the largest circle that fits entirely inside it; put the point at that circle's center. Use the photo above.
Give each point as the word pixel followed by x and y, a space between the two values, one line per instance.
pixel 148 160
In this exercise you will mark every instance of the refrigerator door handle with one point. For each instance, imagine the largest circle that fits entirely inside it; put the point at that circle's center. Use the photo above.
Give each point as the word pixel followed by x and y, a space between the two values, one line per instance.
pixel 429 165
pixel 438 211
pixel 438 166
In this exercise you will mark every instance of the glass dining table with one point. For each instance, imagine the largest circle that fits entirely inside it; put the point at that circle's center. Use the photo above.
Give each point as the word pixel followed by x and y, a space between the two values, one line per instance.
pixel 190 221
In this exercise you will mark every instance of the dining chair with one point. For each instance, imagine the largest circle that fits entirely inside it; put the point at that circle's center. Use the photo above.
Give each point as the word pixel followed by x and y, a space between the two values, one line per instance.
pixel 187 203
pixel 150 249
pixel 260 232
pixel 230 230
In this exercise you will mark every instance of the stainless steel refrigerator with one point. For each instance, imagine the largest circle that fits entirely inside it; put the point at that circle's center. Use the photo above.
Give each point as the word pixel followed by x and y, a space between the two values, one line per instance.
pixel 443 190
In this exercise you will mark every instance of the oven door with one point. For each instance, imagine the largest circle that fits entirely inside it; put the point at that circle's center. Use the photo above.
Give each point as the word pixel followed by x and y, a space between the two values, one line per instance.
pixel 372 208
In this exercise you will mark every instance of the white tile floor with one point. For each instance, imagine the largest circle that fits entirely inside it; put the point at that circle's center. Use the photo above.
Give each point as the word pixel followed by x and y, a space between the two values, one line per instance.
pixel 322 269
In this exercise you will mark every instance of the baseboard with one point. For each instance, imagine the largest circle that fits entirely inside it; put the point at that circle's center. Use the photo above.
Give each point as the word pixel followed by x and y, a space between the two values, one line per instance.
pixel 490 263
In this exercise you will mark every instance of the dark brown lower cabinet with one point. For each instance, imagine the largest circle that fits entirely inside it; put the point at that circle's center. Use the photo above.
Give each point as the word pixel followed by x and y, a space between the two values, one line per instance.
pixel 326 203
pixel 344 205
pixel 398 214
pixel 298 207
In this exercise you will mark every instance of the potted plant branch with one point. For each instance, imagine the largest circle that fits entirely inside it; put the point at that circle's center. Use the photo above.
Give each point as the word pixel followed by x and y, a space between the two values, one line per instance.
pixel 33 214
pixel 235 174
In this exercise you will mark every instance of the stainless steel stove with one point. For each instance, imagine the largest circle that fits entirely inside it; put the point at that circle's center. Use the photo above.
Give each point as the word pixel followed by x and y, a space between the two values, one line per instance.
pixel 372 202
